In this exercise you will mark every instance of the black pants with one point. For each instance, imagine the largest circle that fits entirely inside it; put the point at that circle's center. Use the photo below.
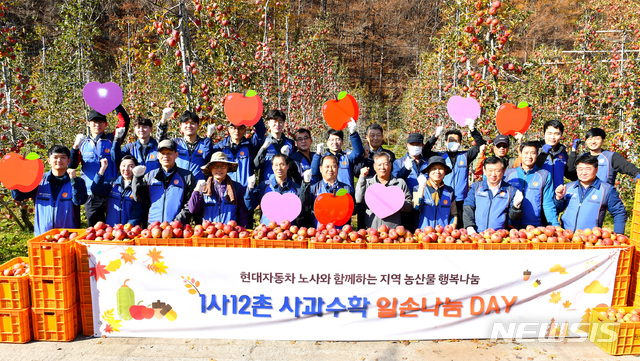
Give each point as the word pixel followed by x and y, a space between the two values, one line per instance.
pixel 96 208
pixel 459 205
pixel 410 219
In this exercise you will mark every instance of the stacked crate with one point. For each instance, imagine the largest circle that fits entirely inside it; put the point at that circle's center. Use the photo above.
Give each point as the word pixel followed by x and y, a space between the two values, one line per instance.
pixel 54 285
pixel 635 241
pixel 15 303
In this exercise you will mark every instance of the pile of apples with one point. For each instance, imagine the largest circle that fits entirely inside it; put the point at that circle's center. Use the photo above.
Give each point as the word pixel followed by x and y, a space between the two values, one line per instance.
pixel 230 229
pixel 18 269
pixel 621 315
pixel 104 232
pixel 62 236
pixel 446 234
pixel 281 232
pixel 166 229
pixel 330 234
pixel 384 234
pixel 600 237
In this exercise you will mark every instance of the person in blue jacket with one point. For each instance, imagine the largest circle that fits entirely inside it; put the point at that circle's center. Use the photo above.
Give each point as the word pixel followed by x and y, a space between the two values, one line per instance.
pixel 492 202
pixel 280 183
pixel 89 150
pixel 59 195
pixel 303 155
pixel 538 208
pixel 335 140
pixel 121 208
pixel 553 157
pixel 219 198
pixel 586 201
pixel 144 149
pixel 167 189
pixel 609 163
pixel 193 150
pixel 274 143
pixel 436 201
pixel 409 168
pixel 242 150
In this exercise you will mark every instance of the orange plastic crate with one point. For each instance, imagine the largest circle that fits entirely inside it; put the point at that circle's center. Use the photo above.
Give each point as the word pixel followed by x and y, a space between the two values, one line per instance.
pixel 53 292
pixel 324 245
pixel 15 325
pixel 55 324
pixel 51 259
pixel 551 246
pixel 635 224
pixel 504 246
pixel 449 246
pixel 174 242
pixel 222 242
pixel 393 246
pixel 268 243
pixel 620 290
pixel 615 338
pixel 625 261
pixel 14 291
pixel 82 256
pixel 86 318
pixel 84 287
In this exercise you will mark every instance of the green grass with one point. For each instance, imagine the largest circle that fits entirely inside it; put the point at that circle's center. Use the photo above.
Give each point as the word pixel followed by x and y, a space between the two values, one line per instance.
pixel 13 242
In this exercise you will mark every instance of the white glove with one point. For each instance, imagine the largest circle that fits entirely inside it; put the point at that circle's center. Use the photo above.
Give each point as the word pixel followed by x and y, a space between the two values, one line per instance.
pixel 166 115
pixel 471 231
pixel 200 185
pixel 408 163
pixel 251 182
pixel 139 170
pixel 211 128
pixel 267 142
pixel 286 149
pixel 79 139
pixel 439 131
pixel 352 126
pixel 422 181
pixel 517 199
pixel 119 133
pixel 320 148
pixel 471 124
pixel 306 176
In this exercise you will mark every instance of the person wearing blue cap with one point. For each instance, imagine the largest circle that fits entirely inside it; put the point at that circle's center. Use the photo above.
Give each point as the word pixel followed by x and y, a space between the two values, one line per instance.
pixel 437 201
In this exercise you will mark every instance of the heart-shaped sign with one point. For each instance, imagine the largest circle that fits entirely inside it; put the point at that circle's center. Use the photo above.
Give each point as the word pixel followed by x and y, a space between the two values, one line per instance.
pixel 103 98
pixel 243 109
pixel 339 112
pixel 511 119
pixel 384 201
pixel 463 110
pixel 280 207
pixel 337 209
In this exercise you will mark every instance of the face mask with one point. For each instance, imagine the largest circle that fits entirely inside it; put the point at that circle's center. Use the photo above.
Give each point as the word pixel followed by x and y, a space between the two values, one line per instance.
pixel 415 150
pixel 453 146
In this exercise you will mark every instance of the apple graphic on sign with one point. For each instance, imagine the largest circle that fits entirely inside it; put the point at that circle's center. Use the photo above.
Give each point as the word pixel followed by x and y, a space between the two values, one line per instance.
pixel 511 119
pixel 338 112
pixel 243 109
pixel 23 174
pixel 334 209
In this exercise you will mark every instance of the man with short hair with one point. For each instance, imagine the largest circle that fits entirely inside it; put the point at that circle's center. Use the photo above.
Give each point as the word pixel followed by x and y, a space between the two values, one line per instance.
pixel 375 137
pixel 435 201
pixel 346 162
pixel 553 157
pixel 382 165
pixel 58 197
pixel 409 168
pixel 586 201
pixel 144 149
pixel 240 149
pixel 274 143
pixel 167 188
pixel 88 151
pixel 538 208
pixel 609 163
pixel 492 202
pixel 303 155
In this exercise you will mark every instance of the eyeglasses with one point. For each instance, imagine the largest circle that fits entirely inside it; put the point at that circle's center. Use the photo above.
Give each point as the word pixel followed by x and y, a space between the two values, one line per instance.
pixel 501 145
pixel 585 169
pixel 301 139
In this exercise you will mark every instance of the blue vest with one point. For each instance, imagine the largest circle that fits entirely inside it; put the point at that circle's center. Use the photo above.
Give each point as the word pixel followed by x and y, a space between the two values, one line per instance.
pixel 192 162
pixel 150 160
pixel 54 213
pixel 532 186
pixel 433 215
pixel 221 211
pixel 267 170
pixel 491 211
pixel 120 204
pixel 556 167
pixel 606 173
pixel 588 212
pixel 165 204
pixel 245 163
pixel 91 152
pixel 458 179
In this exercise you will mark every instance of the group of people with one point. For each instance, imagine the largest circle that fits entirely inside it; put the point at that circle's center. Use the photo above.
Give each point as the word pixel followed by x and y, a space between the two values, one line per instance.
pixel 193 178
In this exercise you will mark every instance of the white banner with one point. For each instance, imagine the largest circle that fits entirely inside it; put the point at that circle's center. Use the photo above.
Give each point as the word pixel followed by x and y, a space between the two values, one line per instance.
pixel 310 294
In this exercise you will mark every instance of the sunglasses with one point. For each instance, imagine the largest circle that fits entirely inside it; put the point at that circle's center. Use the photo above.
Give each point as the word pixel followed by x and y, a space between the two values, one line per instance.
pixel 501 145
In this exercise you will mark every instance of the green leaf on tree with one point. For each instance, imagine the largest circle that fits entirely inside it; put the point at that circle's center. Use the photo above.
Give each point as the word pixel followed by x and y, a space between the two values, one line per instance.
pixel 250 93
pixel 32 155
pixel 523 105
pixel 341 192
pixel 342 95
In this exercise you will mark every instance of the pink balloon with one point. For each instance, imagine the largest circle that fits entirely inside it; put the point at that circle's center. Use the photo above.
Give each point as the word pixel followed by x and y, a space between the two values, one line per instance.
pixel 462 109
pixel 384 201
pixel 103 98
pixel 280 207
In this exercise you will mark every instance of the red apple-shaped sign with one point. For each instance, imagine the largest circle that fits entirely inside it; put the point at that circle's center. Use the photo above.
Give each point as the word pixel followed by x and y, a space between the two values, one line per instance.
pixel 511 119
pixel 338 112
pixel 337 209
pixel 23 174
pixel 243 109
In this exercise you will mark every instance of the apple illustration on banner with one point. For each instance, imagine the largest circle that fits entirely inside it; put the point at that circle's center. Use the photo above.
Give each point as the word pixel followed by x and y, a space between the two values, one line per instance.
pixel 338 112
pixel 280 207
pixel 463 110
pixel 384 201
pixel 103 98
pixel 243 109
pixel 23 174
pixel 511 119
pixel 334 209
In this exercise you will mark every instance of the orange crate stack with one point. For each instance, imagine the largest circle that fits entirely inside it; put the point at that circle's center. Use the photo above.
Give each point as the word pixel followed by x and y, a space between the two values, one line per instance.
pixel 635 225
pixel 55 324
pixel 86 318
pixel 325 245
pixel 552 246
pixel 14 290
pixel 53 292
pixel 621 290
pixel 504 246
pixel 173 242
pixel 15 325
pixel 449 246
pixel 222 242
pixel 51 259
pixel 272 243
pixel 615 338
pixel 393 246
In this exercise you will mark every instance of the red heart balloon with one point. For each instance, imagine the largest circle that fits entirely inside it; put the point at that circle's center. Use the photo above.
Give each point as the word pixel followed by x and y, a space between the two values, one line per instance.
pixel 337 209
pixel 337 113
pixel 511 119
pixel 243 108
